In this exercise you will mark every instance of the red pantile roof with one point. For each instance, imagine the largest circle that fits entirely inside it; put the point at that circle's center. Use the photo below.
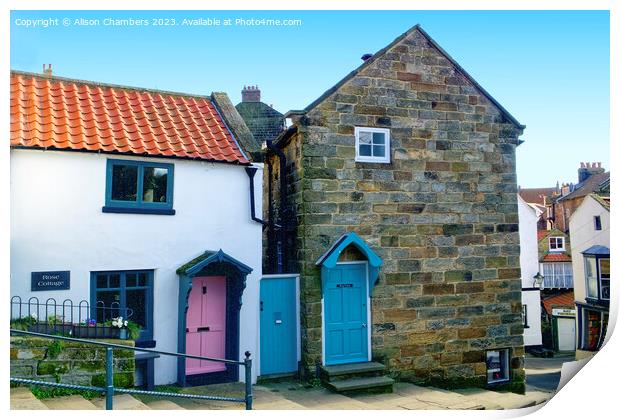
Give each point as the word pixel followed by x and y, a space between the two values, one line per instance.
pixel 542 234
pixel 50 112
pixel 563 299
pixel 557 257
pixel 536 195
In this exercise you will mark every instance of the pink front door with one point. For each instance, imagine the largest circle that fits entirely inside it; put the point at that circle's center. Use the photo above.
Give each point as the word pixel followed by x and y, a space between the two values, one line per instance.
pixel 206 324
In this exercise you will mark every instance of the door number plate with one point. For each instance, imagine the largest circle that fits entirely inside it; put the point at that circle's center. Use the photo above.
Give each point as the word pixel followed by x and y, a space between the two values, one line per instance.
pixel 344 285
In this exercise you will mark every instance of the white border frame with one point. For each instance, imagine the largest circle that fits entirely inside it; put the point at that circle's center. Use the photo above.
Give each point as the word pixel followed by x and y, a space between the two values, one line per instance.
pixel 368 314
pixel 373 159
pixel 297 313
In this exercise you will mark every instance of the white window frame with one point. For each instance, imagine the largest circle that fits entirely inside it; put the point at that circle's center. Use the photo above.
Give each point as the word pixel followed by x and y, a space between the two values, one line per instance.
pixel 503 368
pixel 372 159
pixel 557 249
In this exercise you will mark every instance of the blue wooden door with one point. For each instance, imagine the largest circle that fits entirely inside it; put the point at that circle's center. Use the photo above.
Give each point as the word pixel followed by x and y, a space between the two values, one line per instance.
pixel 278 325
pixel 346 316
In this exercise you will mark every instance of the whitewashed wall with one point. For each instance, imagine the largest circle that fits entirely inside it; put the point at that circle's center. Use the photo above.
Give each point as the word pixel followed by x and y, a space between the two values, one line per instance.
pixel 57 224
pixel 528 242
pixel 583 236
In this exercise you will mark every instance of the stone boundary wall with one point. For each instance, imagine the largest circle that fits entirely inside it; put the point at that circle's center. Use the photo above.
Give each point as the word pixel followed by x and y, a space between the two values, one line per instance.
pixel 70 363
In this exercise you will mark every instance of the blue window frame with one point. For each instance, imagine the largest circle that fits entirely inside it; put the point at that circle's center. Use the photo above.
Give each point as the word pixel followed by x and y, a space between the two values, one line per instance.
pixel 138 187
pixel 129 291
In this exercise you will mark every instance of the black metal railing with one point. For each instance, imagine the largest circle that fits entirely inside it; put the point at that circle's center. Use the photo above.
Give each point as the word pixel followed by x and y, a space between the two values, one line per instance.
pixel 109 390
pixel 67 318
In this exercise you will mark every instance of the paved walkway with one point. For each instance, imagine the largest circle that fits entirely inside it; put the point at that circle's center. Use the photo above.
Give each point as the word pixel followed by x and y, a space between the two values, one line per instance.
pixel 291 395
pixel 544 373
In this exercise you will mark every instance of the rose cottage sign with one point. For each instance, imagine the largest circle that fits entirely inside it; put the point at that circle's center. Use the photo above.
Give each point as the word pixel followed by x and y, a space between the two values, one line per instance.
pixel 50 280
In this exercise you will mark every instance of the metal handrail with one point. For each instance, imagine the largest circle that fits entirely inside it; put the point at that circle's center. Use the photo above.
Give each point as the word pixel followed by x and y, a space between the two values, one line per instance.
pixel 110 390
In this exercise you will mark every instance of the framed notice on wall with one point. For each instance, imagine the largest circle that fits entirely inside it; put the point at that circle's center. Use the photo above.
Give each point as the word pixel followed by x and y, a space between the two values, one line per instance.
pixel 50 280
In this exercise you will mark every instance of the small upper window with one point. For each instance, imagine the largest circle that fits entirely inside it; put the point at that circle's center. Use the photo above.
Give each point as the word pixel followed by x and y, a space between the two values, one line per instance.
pixel 372 145
pixel 556 243
pixel 138 187
pixel 597 223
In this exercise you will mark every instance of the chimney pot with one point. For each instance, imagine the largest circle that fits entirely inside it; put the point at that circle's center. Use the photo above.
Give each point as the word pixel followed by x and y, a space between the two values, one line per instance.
pixel 250 93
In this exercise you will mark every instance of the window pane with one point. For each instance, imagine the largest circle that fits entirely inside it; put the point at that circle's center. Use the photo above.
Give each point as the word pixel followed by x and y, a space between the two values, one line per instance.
pixel 102 281
pixel 142 278
pixel 136 305
pixel 604 268
pixel 155 185
pixel 378 138
pixel 378 151
pixel 108 304
pixel 115 281
pixel 131 279
pixel 591 279
pixel 124 182
pixel 365 150
pixel 365 137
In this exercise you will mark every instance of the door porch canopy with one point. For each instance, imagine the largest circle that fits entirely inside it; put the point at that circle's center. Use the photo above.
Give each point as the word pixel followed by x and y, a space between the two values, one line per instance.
pixel 329 259
pixel 213 263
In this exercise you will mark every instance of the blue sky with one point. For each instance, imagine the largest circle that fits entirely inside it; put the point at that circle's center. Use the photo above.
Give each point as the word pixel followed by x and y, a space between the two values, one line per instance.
pixel 550 69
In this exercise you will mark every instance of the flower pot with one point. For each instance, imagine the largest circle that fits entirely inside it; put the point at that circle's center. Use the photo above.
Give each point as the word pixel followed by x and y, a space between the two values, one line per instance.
pixel 123 334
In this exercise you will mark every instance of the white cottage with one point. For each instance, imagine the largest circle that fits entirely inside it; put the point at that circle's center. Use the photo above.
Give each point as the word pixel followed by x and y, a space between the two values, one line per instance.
pixel 114 190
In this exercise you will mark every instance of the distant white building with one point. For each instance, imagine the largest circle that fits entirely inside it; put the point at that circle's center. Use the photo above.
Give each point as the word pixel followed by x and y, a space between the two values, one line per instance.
pixel 530 292
pixel 590 243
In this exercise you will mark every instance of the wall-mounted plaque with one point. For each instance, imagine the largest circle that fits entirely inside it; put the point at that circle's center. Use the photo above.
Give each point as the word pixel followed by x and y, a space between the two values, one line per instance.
pixel 50 280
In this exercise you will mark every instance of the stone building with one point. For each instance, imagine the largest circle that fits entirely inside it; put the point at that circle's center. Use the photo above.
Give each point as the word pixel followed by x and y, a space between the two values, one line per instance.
pixel 407 168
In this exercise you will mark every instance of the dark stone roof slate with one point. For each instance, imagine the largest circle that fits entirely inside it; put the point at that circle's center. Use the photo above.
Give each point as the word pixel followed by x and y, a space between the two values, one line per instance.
pixel 264 122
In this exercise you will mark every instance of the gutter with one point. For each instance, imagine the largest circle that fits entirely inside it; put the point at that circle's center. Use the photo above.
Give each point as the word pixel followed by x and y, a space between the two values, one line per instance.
pixel 281 227
pixel 251 171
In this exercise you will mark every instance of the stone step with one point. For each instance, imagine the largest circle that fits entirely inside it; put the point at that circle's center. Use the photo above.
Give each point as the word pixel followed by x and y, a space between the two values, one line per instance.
pixel 122 402
pixel 70 402
pixel 370 384
pixel 164 405
pixel 350 370
pixel 23 399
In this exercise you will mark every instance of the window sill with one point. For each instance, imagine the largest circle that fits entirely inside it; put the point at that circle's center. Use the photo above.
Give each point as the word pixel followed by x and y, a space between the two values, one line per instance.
pixel 129 210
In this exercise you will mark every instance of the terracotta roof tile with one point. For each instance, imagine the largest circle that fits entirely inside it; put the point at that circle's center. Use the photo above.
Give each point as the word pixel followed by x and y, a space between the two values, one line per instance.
pixel 557 257
pixel 563 299
pixel 49 112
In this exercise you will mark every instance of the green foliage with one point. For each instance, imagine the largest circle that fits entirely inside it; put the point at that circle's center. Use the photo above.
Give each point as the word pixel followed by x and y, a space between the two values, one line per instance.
pixel 54 349
pixel 169 388
pixel 49 392
pixel 133 329
pixel 22 324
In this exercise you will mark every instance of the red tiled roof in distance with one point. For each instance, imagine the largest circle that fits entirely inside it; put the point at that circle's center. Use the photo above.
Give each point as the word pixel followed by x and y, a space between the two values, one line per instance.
pixel 542 234
pixel 49 112
pixel 536 195
pixel 558 257
pixel 563 299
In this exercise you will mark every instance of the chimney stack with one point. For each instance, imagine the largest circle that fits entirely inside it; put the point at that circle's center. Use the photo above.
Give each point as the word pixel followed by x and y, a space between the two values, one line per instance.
pixel 250 94
pixel 587 169
pixel 47 70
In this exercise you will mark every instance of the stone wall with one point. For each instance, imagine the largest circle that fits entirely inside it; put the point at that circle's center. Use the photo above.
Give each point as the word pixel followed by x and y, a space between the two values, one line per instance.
pixel 442 215
pixel 70 362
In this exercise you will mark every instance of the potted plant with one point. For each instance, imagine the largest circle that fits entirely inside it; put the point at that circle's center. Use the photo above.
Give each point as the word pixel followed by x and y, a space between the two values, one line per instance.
pixel 121 324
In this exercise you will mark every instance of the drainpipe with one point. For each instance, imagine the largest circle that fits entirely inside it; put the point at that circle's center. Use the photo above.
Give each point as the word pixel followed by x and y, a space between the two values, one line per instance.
pixel 251 171
pixel 281 230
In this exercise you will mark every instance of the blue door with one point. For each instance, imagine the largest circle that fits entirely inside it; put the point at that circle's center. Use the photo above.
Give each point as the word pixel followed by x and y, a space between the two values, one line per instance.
pixel 278 325
pixel 346 317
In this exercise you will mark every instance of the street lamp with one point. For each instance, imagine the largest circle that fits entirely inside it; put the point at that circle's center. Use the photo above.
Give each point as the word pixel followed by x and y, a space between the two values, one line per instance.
pixel 538 280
